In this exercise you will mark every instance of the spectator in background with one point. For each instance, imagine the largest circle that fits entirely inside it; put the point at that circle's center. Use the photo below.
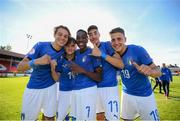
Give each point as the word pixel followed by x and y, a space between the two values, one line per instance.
pixel 166 78
pixel 158 82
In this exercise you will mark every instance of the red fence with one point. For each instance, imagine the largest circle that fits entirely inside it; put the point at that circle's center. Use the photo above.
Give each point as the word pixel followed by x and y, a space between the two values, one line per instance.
pixel 8 67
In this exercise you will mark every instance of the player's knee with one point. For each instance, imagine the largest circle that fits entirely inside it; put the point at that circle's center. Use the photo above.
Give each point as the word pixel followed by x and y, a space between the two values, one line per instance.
pixel 127 119
pixel 28 117
pixel 100 116
pixel 45 118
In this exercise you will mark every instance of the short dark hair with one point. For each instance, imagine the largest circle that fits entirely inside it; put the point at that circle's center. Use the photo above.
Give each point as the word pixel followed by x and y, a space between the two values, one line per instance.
pixel 81 30
pixel 92 27
pixel 63 27
pixel 118 29
pixel 70 40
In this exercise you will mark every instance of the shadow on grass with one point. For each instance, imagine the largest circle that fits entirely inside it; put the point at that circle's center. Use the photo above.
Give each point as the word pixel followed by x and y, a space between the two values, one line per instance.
pixel 177 98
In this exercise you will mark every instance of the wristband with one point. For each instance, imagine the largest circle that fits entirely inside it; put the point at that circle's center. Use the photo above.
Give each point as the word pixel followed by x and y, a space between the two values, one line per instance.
pixel 103 55
pixel 31 63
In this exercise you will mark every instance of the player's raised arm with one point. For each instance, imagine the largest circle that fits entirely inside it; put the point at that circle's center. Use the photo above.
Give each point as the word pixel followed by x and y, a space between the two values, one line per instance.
pixel 117 62
pixel 23 65
pixel 26 64
pixel 55 75
pixel 148 70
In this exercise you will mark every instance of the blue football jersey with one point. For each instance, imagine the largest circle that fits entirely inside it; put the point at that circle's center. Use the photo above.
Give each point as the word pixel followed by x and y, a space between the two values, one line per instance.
pixel 108 71
pixel 41 75
pixel 166 74
pixel 88 62
pixel 135 83
pixel 67 78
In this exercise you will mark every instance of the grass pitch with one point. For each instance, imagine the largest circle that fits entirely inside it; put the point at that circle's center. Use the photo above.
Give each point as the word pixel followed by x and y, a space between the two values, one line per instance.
pixel 11 92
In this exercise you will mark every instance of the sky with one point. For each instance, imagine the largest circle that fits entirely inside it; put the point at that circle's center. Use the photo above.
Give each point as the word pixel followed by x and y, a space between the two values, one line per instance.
pixel 153 24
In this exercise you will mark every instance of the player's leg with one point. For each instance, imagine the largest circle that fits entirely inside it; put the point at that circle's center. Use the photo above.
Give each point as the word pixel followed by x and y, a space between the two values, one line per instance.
pixel 64 104
pixel 155 85
pixel 50 102
pixel 86 103
pixel 160 85
pixel 128 107
pixel 100 114
pixel 147 108
pixel 72 113
pixel 31 105
pixel 48 118
pixel 111 102
pixel 164 87
pixel 167 89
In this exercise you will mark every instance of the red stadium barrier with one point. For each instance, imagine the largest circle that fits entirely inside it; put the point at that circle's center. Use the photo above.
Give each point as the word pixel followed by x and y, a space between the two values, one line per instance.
pixel 7 67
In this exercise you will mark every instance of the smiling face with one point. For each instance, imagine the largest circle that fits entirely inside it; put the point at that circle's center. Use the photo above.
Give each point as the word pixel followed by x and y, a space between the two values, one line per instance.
pixel 81 39
pixel 118 42
pixel 94 36
pixel 70 48
pixel 61 37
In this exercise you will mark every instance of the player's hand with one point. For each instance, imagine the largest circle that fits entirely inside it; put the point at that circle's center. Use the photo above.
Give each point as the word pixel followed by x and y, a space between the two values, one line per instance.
pixel 144 69
pixel 76 68
pixel 45 59
pixel 116 55
pixel 53 64
pixel 96 51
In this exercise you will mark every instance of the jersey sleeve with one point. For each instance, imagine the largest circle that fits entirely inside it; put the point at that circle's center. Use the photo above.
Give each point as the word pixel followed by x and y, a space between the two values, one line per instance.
pixel 109 49
pixel 34 52
pixel 144 57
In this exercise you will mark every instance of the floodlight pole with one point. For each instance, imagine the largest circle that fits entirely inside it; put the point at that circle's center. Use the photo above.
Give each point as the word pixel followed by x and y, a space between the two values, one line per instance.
pixel 29 37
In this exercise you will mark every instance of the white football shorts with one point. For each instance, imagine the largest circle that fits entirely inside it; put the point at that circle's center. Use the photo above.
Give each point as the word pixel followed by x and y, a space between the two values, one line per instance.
pixel 134 106
pixel 35 100
pixel 85 103
pixel 108 101
pixel 64 104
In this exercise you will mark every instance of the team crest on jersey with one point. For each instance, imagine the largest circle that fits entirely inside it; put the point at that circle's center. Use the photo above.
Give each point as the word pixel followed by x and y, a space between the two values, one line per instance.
pixel 61 57
pixel 32 51
pixel 84 59
pixel 64 65
pixel 129 61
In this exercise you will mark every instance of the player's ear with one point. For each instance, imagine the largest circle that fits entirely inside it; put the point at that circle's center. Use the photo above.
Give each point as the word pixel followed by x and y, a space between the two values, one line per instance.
pixel 125 39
